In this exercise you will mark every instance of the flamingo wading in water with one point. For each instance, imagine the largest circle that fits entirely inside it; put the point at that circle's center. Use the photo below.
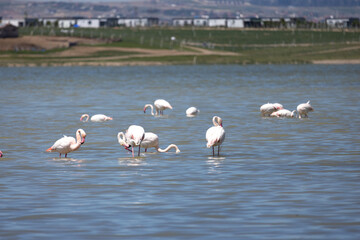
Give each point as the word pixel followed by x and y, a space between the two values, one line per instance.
pixel 192 111
pixel 268 108
pixel 95 118
pixel 68 144
pixel 283 113
pixel 215 135
pixel 152 140
pixel 160 106
pixel 304 108
pixel 134 136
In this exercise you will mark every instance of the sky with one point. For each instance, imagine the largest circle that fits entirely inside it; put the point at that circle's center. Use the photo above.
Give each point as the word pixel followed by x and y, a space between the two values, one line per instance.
pixel 93 1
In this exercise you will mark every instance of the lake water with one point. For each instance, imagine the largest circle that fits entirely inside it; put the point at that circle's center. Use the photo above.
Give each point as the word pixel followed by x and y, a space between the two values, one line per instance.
pixel 274 178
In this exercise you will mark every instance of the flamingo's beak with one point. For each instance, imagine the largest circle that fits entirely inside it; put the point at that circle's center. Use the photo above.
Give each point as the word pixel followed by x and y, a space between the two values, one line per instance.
pixel 83 140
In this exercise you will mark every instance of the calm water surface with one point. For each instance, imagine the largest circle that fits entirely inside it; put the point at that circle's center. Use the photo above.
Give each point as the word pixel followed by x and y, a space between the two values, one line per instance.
pixel 275 178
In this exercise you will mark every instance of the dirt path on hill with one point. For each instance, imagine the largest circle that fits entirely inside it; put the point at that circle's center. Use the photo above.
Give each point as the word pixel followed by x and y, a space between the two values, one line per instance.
pixel 75 48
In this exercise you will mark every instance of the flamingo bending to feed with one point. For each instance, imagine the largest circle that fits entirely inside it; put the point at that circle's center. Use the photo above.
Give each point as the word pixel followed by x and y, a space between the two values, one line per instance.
pixel 160 106
pixel 1 154
pixel 215 135
pixel 283 113
pixel 152 140
pixel 68 144
pixel 95 118
pixel 134 136
pixel 268 108
pixel 192 112
pixel 304 108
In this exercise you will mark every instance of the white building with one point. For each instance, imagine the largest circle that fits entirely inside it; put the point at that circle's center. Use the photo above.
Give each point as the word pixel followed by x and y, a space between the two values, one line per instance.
pixel 66 23
pixel 235 23
pixel 337 22
pixel 182 22
pixel 14 22
pixel 217 22
pixel 201 22
pixel 88 23
pixel 138 22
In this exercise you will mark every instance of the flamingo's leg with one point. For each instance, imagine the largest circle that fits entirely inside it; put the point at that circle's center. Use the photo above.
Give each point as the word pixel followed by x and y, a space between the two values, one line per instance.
pixel 132 150
pixel 65 154
pixel 213 151
pixel 219 150
pixel 139 151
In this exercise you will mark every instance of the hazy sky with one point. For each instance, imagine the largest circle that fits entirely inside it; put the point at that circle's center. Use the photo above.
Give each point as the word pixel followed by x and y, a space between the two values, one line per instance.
pixel 82 0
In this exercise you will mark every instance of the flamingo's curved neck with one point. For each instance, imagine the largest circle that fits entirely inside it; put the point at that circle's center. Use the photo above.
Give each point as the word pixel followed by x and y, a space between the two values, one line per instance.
pixel 168 148
pixel 85 116
pixel 121 136
pixel 217 121
pixel 152 108
pixel 78 141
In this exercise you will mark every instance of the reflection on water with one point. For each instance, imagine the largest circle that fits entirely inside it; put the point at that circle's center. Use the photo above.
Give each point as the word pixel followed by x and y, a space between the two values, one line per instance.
pixel 274 178
pixel 132 161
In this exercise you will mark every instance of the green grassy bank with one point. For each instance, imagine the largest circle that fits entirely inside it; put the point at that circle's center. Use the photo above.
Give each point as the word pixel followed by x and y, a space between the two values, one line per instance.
pixel 251 46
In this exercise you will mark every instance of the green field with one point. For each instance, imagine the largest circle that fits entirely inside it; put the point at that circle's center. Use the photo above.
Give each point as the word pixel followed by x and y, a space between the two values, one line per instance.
pixel 251 46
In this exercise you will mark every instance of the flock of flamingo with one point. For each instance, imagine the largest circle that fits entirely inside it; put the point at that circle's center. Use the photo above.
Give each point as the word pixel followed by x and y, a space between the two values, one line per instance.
pixel 135 136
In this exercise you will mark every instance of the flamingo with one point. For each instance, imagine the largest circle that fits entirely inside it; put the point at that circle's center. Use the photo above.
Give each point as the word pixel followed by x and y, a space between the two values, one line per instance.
pixel 68 144
pixel 192 112
pixel 160 106
pixel 1 154
pixel 95 118
pixel 152 140
pixel 304 108
pixel 268 108
pixel 215 135
pixel 134 136
pixel 283 113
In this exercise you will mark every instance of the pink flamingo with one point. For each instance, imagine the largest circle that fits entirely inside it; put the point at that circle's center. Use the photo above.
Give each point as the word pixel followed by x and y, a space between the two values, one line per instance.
pixel 160 106
pixel 192 111
pixel 134 136
pixel 268 108
pixel 283 113
pixel 215 135
pixel 304 108
pixel 95 118
pixel 68 144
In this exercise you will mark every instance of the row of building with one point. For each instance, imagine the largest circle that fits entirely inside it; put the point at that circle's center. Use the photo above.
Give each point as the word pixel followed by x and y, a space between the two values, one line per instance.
pixel 177 22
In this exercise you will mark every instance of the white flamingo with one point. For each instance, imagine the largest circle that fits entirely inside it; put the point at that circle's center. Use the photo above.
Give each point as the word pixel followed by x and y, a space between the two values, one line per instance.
pixel 68 144
pixel 304 108
pixel 95 118
pixel 215 135
pixel 122 140
pixel 152 140
pixel 134 136
pixel 160 106
pixel 283 113
pixel 192 112
pixel 268 108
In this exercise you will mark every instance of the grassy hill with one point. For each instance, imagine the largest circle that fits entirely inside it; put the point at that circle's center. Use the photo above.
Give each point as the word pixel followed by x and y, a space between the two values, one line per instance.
pixel 192 45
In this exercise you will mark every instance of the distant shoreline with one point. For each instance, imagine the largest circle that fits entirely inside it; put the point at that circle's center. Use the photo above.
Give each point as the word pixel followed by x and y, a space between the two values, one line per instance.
pixel 139 63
